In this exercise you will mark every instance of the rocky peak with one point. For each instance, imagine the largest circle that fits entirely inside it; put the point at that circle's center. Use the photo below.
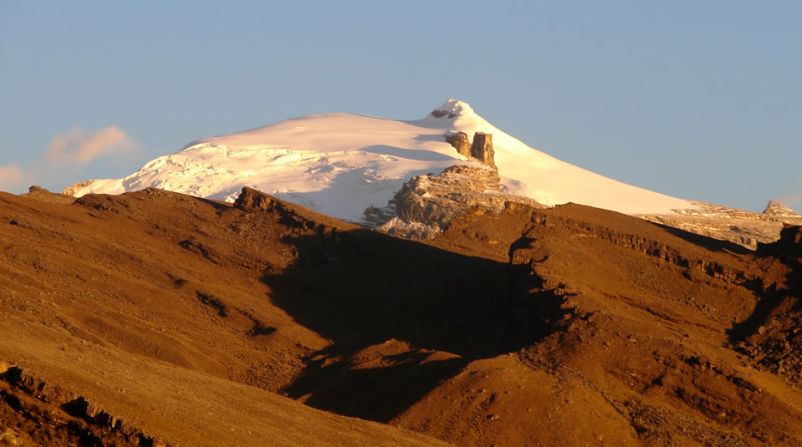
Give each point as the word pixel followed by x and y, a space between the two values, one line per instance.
pixel 777 209
pixel 481 148
pixel 451 109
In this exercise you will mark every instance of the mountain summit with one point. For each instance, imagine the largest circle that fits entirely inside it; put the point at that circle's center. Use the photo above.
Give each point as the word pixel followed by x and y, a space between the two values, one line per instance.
pixel 453 108
pixel 340 164
pixel 348 166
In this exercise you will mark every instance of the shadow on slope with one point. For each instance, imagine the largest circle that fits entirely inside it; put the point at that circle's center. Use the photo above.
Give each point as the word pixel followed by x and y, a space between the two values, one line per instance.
pixel 771 334
pixel 403 316
pixel 707 243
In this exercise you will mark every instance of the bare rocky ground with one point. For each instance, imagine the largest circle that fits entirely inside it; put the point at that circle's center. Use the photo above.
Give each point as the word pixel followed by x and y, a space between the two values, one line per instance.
pixel 742 227
pixel 155 318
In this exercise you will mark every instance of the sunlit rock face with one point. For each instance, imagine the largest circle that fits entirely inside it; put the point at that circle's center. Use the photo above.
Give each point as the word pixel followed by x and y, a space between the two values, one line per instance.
pixel 426 204
pixel 778 210
pixel 742 227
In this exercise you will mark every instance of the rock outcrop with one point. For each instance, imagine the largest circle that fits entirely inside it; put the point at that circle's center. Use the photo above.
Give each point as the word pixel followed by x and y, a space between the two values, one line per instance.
pixel 250 199
pixel 482 148
pixel 443 113
pixel 426 204
pixel 778 210
pixel 34 411
pixel 294 216
pixel 42 194
pixel 73 189
pixel 742 227
pixel 460 142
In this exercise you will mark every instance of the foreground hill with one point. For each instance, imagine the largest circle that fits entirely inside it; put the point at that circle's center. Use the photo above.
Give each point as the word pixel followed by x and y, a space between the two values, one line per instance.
pixel 158 317
pixel 112 332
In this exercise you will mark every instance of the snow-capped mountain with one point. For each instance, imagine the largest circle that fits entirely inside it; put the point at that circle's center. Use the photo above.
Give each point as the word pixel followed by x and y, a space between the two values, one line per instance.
pixel 340 164
pixel 351 166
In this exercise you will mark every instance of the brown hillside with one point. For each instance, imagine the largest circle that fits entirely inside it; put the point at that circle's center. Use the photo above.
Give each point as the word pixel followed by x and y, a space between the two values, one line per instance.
pixel 183 318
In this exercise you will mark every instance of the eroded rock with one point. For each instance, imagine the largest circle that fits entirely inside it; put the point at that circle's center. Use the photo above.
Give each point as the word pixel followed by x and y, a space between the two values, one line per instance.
pixel 777 209
pixel 426 204
pixel 460 142
pixel 482 148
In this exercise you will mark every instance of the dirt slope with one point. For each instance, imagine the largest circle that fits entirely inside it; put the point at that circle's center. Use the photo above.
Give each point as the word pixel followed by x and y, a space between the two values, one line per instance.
pixel 150 307
pixel 184 319
pixel 647 353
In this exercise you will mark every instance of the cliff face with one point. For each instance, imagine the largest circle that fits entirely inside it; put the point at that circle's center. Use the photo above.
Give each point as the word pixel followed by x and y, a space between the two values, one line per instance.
pixel 426 204
pixel 482 149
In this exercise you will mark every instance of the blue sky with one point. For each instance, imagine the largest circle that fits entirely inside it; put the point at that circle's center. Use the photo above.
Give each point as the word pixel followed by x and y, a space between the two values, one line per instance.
pixel 697 99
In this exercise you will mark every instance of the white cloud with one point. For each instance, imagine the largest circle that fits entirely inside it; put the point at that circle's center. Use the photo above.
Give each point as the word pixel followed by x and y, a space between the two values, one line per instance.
pixel 10 176
pixel 66 156
pixel 78 146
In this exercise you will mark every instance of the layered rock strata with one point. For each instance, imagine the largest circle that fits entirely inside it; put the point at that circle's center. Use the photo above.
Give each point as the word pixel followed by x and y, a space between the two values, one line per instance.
pixel 426 204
